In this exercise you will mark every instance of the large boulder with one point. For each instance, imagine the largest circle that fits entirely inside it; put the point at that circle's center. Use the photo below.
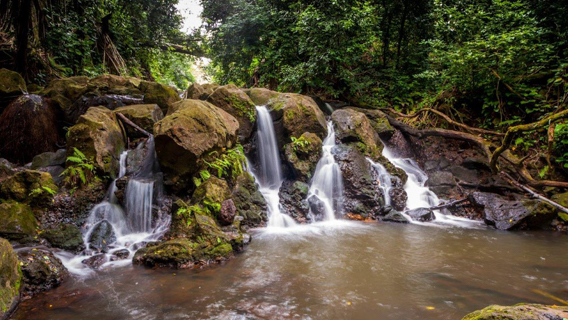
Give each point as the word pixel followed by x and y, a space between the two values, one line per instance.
pixel 29 186
pixel 513 214
pixel 162 95
pixel 214 190
pixel 11 86
pixel 28 126
pixel 17 222
pixel 379 122
pixel 303 155
pixel 144 116
pixel 261 96
pixel 193 129
pixel 49 159
pixel 300 114
pixel 353 127
pixel 109 101
pixel 201 91
pixel 234 101
pixel 41 271
pixel 99 136
pixel 249 201
pixel 65 236
pixel 520 312
pixel 101 237
pixel 10 278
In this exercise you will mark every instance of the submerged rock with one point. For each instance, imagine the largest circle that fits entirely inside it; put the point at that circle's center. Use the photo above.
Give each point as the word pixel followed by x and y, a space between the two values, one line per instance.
pixel 395 216
pixel 17 222
pixel 121 254
pixel 41 271
pixel 234 101
pixel 10 278
pixel 520 312
pixel 102 236
pixel 421 214
pixel 95 261
pixel 65 236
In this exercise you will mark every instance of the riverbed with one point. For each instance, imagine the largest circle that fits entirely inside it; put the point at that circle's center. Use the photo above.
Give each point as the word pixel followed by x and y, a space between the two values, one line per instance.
pixel 335 270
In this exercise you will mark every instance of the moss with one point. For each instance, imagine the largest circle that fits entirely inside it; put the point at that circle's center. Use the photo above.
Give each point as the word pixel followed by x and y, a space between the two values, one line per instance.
pixel 517 312
pixel 162 95
pixel 17 222
pixel 244 109
pixel 10 277
pixel 66 236
pixel 29 186
pixel 11 82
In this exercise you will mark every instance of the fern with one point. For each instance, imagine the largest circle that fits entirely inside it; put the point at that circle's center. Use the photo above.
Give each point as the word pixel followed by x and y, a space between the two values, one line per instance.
pixel 80 172
pixel 228 164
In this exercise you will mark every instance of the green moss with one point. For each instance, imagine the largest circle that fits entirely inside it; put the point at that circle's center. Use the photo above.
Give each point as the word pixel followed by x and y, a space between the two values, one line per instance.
pixel 11 82
pixel 10 277
pixel 29 186
pixel 17 222
pixel 66 236
pixel 243 108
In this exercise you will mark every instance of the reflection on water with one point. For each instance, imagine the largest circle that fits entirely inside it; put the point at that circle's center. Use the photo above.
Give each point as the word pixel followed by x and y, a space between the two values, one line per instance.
pixel 340 271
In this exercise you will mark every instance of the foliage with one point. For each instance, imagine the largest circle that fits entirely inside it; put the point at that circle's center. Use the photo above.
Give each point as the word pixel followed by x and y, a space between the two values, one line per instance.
pixel 229 164
pixel 81 170
pixel 561 144
pixel 39 191
pixel 204 175
pixel 299 144
pixel 207 208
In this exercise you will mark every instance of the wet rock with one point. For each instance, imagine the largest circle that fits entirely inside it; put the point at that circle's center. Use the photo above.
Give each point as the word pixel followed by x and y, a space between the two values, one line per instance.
pixel 512 214
pixel 293 196
pixel 353 127
pixel 228 212
pixel 17 222
pixel 11 279
pixel 441 182
pixel 11 86
pixel 421 214
pixel 520 312
pixel 201 91
pixel 48 159
pixel 235 102
pixel 96 261
pixel 66 236
pixel 261 96
pixel 395 216
pixel 99 136
pixel 317 208
pixel 214 190
pixel 299 114
pixel 398 198
pixel 29 186
pixel 121 254
pixel 143 115
pixel 194 129
pixel 303 155
pixel 28 126
pixel 102 236
pixel 41 270
pixel 378 121
pixel 249 201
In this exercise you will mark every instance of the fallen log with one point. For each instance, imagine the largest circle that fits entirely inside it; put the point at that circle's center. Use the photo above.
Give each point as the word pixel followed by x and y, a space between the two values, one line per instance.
pixel 132 124
pixel 533 193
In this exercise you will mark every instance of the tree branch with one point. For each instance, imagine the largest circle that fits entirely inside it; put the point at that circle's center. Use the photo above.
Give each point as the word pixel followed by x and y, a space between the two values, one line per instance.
pixel 132 124
pixel 533 193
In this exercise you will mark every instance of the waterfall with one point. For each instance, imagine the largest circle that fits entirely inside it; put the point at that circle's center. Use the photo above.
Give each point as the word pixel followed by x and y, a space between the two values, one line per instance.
pixel 327 183
pixel 270 175
pixel 385 180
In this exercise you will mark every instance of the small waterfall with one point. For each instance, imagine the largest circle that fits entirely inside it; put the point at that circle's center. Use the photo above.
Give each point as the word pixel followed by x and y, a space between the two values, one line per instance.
pixel 385 180
pixel 327 183
pixel 270 175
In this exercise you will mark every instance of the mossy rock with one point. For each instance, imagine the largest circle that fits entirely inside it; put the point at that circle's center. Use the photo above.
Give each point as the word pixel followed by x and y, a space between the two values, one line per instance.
pixel 214 190
pixel 519 312
pixel 300 114
pixel 261 96
pixel 250 203
pixel 192 129
pixel 41 271
pixel 66 236
pixel 234 101
pixel 64 92
pixel 47 159
pixel 379 122
pixel 6 169
pixel 99 136
pixel 201 91
pixel 162 95
pixel 143 115
pixel 29 186
pixel 353 127
pixel 304 155
pixel 12 85
pixel 10 278
pixel 17 222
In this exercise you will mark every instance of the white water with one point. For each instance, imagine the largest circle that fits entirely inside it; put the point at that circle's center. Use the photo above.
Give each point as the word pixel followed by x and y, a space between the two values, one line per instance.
pixel 385 180
pixel 327 184
pixel 270 175
pixel 139 198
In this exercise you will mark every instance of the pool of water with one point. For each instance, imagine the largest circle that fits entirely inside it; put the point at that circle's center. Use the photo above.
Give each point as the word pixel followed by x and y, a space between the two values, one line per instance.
pixel 342 270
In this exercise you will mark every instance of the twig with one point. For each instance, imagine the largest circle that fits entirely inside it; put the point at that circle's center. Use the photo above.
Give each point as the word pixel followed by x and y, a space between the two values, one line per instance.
pixel 533 193
pixel 132 124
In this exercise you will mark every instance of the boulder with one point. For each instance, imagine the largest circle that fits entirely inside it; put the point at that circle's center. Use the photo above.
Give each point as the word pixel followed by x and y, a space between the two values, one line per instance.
pixel 65 236
pixel 520 312
pixel 101 237
pixel 261 96
pixel 11 279
pixel 395 216
pixel 228 212
pixel 99 136
pixel 41 271
pixel 214 190
pixel 96 261
pixel 121 254
pixel 194 129
pixel 293 196
pixel 162 95
pixel 11 86
pixel 28 126
pixel 398 198
pixel 378 121
pixel 6 169
pixel 421 214
pixel 442 183
pixel 143 115
pixel 201 91
pixel 303 155
pixel 353 127
pixel 234 101
pixel 29 186
pixel 300 114
pixel 109 101
pixel 249 201
pixel 512 214
pixel 48 159
pixel 317 208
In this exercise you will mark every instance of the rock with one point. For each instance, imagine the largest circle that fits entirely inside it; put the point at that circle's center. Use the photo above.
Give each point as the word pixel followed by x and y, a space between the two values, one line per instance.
pixel 28 126
pixel 194 129
pixel 518 214
pixel 121 254
pixel 520 312
pixel 200 91
pixel 354 127
pixel 144 115
pixel 317 208
pixel 64 92
pixel 162 95
pixel 378 121
pixel 41 271
pixel 466 175
pixel 99 136
pixel 48 159
pixel 65 236
pixel 109 101
pixel 95 261
pixel 101 237
pixel 293 196
pixel 303 155
pixel 261 96
pixel 249 201
pixel 11 279
pixel 235 102
pixel 11 86
pixel 214 190
pixel 421 214
pixel 228 212
pixel 441 182
pixel 300 114
pixel 6 169
pixel 398 198
pixel 395 216
pixel 561 198
pixel 29 186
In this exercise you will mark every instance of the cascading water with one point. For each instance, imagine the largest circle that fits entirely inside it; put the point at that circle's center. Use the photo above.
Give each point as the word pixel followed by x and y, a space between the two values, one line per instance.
pixel 327 183
pixel 270 176
pixel 385 180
